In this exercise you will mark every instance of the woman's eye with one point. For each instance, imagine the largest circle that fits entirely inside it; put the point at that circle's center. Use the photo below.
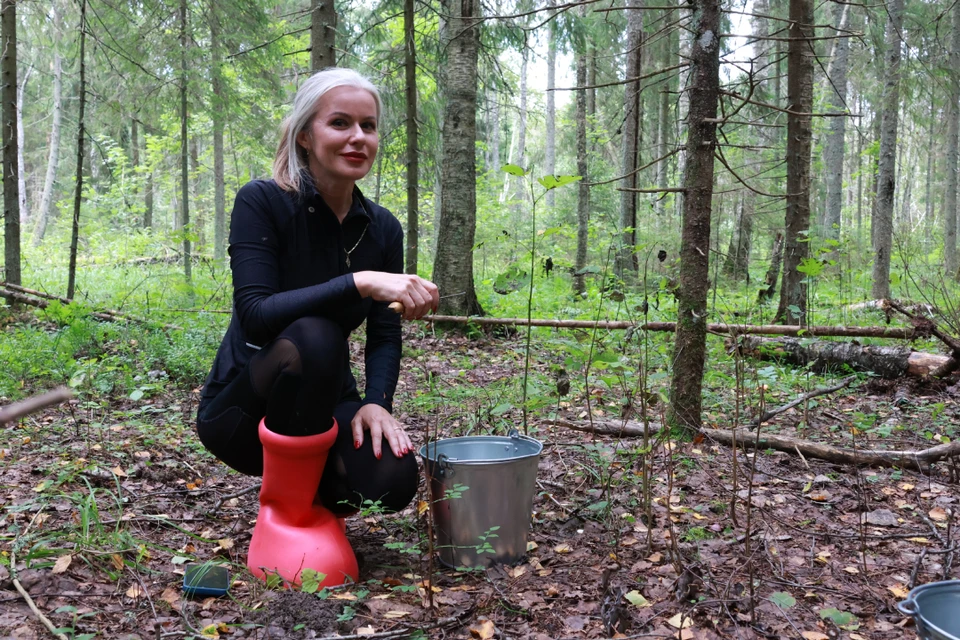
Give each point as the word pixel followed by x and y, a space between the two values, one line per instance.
pixel 339 122
pixel 369 126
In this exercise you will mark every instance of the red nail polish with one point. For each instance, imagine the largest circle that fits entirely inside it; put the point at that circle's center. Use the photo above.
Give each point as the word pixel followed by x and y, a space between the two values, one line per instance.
pixel 356 444
pixel 379 454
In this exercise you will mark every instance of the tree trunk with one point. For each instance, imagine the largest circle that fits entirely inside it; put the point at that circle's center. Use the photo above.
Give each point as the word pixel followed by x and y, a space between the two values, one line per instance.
pixel 412 152
pixel 737 264
pixel 663 116
pixel 550 151
pixel 8 93
pixel 148 201
pixel 793 290
pixel 886 170
pixel 833 152
pixel 953 149
pixel 184 148
pixel 495 131
pixel 773 271
pixel 931 144
pixel 81 135
pixel 453 264
pixel 583 190
pixel 53 155
pixel 886 362
pixel 21 172
pixel 690 345
pixel 630 145
pixel 323 34
pixel 218 123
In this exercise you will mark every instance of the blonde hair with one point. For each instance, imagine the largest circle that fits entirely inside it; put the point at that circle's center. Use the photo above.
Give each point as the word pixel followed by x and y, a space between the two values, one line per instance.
pixel 291 158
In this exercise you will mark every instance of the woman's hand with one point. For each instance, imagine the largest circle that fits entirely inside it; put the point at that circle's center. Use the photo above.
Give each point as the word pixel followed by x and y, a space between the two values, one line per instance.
pixel 382 426
pixel 417 295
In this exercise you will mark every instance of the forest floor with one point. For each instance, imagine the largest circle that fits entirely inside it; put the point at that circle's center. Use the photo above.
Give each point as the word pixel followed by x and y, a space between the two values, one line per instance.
pixel 102 507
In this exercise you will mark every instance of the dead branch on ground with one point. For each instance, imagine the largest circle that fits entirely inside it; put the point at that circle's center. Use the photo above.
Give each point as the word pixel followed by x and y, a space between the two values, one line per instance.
pixel 19 409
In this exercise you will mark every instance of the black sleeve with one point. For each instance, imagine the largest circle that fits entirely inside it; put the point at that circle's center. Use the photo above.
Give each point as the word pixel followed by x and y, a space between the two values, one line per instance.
pixel 262 309
pixel 384 343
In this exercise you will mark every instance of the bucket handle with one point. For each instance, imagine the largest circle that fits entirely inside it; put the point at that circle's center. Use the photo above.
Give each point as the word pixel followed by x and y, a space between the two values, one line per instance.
pixel 908 607
pixel 513 434
pixel 444 466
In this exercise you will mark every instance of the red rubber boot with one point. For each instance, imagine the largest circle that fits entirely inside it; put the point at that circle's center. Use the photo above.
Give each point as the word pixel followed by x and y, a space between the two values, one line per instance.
pixel 292 533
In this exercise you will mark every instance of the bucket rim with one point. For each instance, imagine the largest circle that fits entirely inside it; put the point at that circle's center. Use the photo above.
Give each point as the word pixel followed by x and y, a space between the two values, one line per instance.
pixel 477 461
pixel 911 607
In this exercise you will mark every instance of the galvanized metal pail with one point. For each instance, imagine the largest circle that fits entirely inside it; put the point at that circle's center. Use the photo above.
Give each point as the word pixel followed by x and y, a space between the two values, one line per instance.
pixel 935 607
pixel 482 490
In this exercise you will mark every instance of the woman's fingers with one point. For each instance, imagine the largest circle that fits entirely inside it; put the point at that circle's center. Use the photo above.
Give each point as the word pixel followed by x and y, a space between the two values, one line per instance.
pixel 382 427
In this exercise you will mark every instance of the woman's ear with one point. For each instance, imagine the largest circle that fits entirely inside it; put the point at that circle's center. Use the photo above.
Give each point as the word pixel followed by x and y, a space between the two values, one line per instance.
pixel 303 138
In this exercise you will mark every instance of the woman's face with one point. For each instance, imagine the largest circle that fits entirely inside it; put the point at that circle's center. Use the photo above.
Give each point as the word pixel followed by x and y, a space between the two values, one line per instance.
pixel 341 140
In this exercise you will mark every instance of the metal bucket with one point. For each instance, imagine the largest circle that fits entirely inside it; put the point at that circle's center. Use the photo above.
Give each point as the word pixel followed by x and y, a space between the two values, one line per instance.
pixel 935 607
pixel 483 488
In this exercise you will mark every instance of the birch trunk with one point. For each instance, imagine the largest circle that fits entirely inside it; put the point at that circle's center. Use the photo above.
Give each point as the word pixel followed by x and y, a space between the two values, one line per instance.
pixel 453 264
pixel 184 150
pixel 886 170
pixel 53 155
pixel 21 172
pixel 218 124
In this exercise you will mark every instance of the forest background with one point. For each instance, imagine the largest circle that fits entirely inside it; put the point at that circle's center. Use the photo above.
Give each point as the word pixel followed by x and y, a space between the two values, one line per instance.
pixel 743 163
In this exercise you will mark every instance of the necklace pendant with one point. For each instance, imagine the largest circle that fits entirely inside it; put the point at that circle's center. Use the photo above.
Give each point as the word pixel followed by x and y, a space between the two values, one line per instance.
pixel 348 260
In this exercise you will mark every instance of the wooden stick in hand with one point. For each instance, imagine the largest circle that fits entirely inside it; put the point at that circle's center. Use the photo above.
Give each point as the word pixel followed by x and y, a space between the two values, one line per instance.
pixel 397 307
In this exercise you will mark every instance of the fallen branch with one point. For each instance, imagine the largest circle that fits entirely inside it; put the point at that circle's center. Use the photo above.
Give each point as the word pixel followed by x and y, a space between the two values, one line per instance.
pixel 918 460
pixel 905 333
pixel 19 409
pixel 812 394
pixel 930 326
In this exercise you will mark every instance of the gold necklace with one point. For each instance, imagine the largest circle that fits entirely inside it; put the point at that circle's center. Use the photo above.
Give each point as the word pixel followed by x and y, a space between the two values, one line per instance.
pixel 363 233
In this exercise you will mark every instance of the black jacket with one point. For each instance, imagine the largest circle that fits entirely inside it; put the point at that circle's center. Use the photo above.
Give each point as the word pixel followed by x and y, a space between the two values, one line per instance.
pixel 288 257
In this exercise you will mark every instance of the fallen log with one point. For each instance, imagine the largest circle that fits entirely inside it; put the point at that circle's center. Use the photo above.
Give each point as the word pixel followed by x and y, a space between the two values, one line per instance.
pixel 904 333
pixel 42 300
pixel 887 362
pixel 17 410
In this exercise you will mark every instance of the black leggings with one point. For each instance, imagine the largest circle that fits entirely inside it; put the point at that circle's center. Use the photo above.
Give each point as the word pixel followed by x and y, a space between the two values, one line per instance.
pixel 294 384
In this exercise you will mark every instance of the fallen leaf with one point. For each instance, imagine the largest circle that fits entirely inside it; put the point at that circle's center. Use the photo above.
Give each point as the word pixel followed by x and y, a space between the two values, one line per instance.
pixel 882 518
pixel 135 591
pixel 343 596
pixel 576 623
pixel 365 631
pixel 938 514
pixel 209 632
pixel 120 473
pixel 685 634
pixel 170 595
pixel 819 496
pixel 117 561
pixel 422 507
pixel 62 563
pixel 395 614
pixel 919 540
pixel 531 545
pixel 485 630
pixel 899 591
pixel 225 543
pixel 636 599
pixel 814 635
pixel 562 548
pixel 852 570
pixel 680 621
pixel 516 572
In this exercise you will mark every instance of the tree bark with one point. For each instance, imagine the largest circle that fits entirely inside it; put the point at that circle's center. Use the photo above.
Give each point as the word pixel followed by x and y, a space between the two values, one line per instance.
pixel 793 290
pixel 323 32
pixel 583 190
pixel 833 152
pixel 627 265
pixel 887 362
pixel 737 264
pixel 663 116
pixel 453 263
pixel 690 345
pixel 81 135
pixel 218 123
pixel 184 148
pixel 953 149
pixel 21 172
pixel 886 169
pixel 53 156
pixel 773 271
pixel 550 150
pixel 412 151
pixel 8 94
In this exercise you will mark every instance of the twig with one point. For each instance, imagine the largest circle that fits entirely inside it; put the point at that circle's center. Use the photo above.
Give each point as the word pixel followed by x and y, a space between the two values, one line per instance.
pixel 28 406
pixel 23 592
pixel 230 496
pixel 406 631
pixel 812 394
